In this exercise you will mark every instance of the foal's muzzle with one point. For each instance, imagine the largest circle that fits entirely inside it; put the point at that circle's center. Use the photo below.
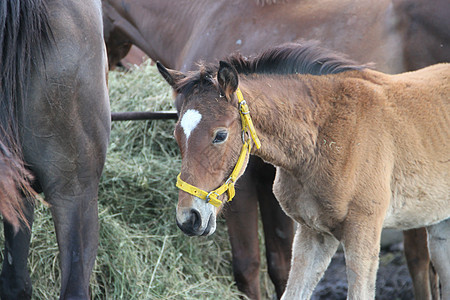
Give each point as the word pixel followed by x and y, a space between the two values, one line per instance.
pixel 192 225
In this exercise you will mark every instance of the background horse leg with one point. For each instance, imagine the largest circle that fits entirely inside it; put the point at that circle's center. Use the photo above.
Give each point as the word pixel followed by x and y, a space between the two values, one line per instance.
pixel 434 282
pixel 311 255
pixel 424 278
pixel 439 245
pixel 241 216
pixel 15 282
pixel 278 229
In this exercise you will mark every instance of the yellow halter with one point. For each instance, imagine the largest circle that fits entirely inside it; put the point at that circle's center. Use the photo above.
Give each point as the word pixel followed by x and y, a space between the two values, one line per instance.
pixel 228 186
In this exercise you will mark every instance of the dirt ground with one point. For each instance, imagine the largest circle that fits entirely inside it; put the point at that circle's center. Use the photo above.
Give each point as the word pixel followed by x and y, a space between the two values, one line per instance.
pixel 393 280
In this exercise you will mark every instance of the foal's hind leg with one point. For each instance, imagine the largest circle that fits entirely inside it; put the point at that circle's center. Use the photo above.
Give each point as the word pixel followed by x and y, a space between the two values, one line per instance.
pixel 15 282
pixel 439 245
pixel 311 255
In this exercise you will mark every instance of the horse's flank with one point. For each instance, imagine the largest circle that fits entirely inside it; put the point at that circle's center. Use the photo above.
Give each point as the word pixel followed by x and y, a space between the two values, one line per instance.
pixel 223 27
pixel 397 35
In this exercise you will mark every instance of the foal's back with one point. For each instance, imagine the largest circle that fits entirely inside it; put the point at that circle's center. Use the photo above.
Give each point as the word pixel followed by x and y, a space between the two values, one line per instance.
pixel 417 117
pixel 421 106
pixel 396 144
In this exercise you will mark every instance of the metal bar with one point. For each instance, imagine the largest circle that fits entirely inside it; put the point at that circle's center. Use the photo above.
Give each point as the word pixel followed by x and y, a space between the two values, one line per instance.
pixel 143 115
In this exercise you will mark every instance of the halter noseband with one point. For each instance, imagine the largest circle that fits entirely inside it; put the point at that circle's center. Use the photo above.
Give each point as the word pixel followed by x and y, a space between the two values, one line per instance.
pixel 228 186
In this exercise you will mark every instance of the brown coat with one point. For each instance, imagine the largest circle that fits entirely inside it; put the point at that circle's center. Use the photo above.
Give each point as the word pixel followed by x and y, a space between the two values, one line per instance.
pixel 356 150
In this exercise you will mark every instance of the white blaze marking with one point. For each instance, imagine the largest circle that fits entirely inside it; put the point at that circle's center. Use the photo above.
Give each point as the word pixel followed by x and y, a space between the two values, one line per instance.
pixel 190 120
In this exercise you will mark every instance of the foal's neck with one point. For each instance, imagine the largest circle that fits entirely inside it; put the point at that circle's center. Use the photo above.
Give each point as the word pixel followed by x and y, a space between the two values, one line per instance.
pixel 288 113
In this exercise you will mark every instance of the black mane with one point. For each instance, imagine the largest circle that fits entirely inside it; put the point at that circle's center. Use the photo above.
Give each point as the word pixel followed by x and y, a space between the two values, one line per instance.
pixel 305 58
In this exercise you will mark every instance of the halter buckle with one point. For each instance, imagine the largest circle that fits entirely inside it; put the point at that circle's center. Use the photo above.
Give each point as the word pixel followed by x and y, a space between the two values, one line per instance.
pixel 243 136
pixel 241 105
pixel 208 196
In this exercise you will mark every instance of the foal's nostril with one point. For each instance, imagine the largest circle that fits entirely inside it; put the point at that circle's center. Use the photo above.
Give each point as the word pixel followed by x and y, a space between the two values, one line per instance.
pixel 191 223
pixel 196 220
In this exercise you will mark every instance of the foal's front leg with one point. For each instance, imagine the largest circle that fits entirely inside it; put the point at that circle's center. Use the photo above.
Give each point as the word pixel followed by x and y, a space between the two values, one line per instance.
pixel 312 253
pixel 361 241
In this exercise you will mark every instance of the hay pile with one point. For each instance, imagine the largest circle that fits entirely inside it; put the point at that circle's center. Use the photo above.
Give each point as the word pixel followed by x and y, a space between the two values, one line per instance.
pixel 142 253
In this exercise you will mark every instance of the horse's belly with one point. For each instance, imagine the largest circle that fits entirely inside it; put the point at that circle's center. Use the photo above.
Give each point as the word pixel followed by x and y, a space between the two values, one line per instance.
pixel 419 205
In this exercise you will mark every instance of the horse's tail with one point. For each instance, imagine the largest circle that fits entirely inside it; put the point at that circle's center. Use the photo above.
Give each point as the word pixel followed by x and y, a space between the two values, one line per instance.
pixel 24 32
pixel 13 178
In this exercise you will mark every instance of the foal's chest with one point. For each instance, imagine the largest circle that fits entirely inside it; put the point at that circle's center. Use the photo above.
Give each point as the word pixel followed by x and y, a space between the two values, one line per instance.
pixel 299 203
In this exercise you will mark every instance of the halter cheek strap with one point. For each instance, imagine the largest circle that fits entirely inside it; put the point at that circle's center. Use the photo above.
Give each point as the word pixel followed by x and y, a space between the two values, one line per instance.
pixel 228 186
pixel 246 120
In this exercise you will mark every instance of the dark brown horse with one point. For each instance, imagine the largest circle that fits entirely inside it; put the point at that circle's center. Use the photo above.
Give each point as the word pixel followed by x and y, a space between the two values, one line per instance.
pixel 398 36
pixel 355 150
pixel 55 117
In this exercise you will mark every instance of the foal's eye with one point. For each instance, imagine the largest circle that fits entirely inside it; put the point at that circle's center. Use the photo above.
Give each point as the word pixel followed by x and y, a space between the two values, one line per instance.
pixel 220 137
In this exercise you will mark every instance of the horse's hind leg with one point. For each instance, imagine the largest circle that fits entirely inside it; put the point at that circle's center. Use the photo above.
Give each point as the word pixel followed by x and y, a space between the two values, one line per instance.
pixel 439 245
pixel 15 282
pixel 76 224
pixel 278 236
pixel 278 230
pixel 424 278
pixel 434 282
pixel 69 174
pixel 242 221
pixel 66 125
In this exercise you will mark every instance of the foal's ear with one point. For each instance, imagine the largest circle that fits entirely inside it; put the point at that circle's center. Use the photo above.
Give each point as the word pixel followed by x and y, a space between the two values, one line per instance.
pixel 227 77
pixel 171 76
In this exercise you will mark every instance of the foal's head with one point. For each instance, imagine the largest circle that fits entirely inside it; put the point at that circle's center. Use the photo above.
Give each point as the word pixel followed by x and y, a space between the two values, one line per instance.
pixel 209 134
